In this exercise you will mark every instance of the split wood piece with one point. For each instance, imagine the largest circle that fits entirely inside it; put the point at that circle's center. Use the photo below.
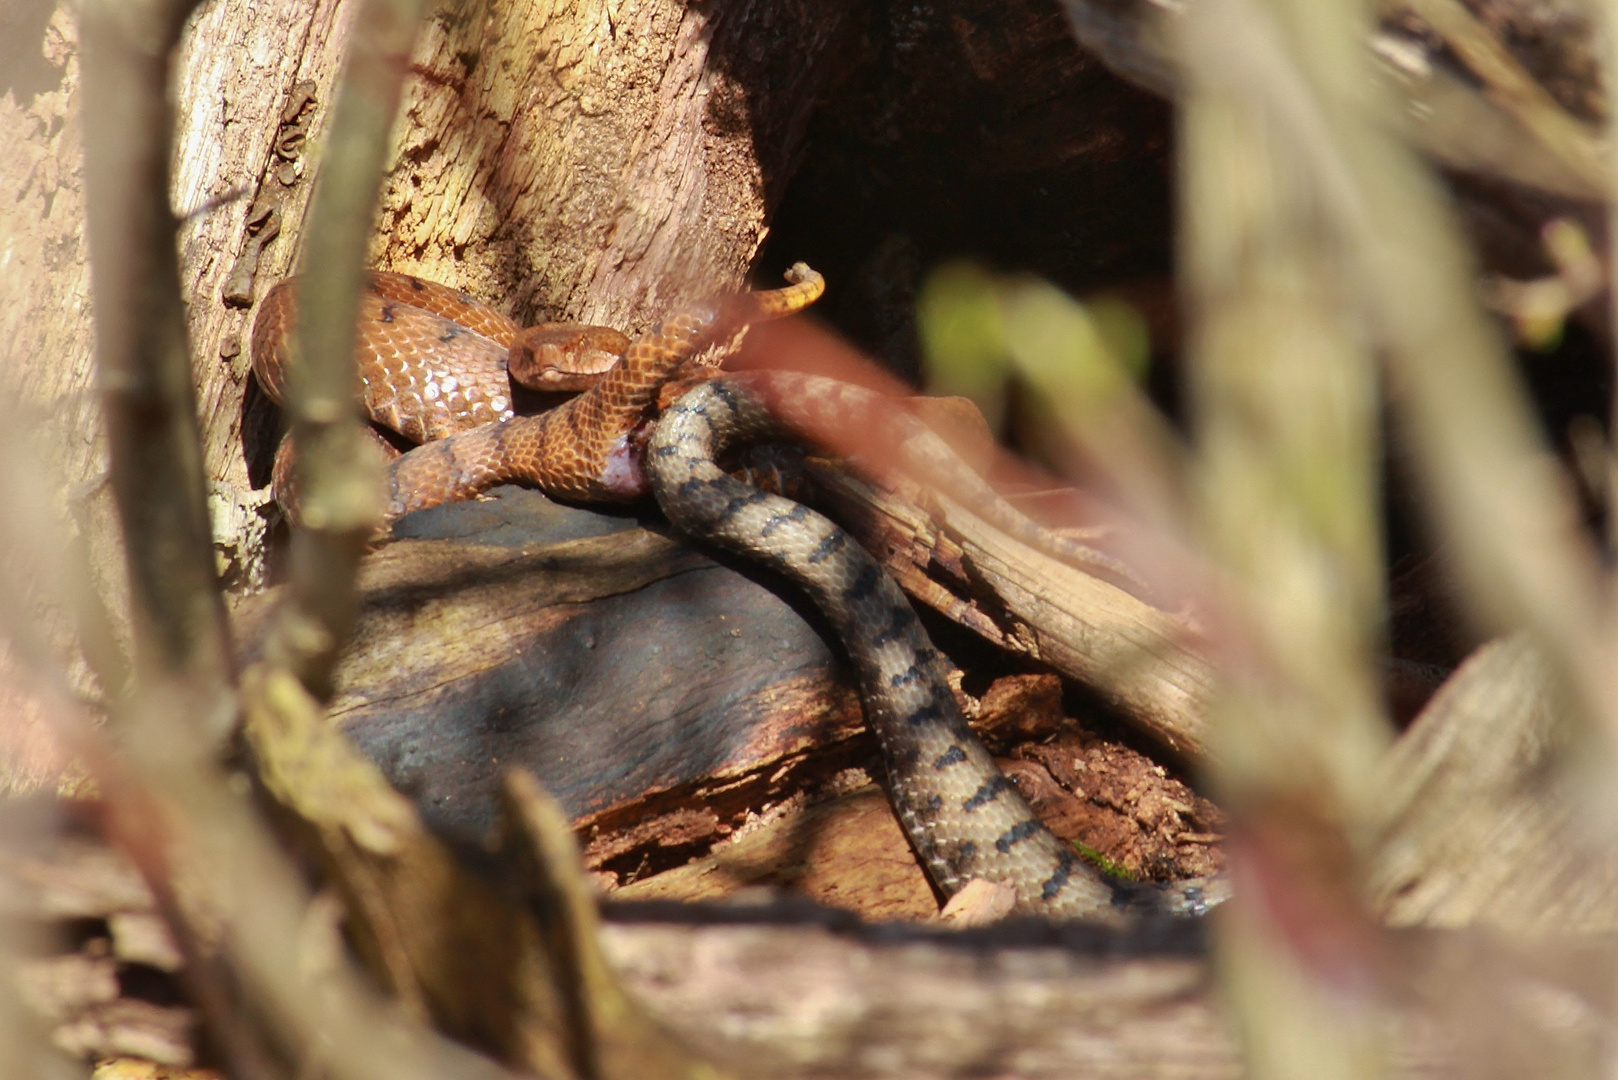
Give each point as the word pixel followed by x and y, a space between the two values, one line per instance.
pixel 841 846
pixel 1141 660
pixel 1011 1001
pixel 1483 821
pixel 845 849
pixel 806 1001
pixel 786 989
pixel 98 974
pixel 785 992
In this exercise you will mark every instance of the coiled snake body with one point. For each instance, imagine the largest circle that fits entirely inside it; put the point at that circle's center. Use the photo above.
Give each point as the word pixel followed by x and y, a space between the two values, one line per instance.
pixel 432 366
pixel 965 819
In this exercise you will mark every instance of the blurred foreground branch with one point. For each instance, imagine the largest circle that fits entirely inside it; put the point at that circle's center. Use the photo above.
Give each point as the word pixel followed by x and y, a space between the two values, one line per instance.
pixel 178 799
pixel 1477 118
pixel 337 468
pixel 144 361
pixel 1285 417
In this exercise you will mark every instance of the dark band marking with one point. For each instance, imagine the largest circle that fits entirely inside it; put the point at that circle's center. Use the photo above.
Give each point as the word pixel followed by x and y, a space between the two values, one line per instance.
pixel 690 488
pixel 927 714
pixel 421 286
pixel 903 620
pixel 741 502
pixel 953 756
pixel 799 512
pixel 866 583
pixel 907 677
pixel 828 547
pixel 724 393
pixel 935 803
pixel 668 451
pixel 1018 832
pixel 387 312
pixel 967 849
pixel 986 794
pixel 451 332
pixel 1058 881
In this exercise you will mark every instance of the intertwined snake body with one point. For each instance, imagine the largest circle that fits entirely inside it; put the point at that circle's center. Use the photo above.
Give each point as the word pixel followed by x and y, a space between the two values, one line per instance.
pixel 964 817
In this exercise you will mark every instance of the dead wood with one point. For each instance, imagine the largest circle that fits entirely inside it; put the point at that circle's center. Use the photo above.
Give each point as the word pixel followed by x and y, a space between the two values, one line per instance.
pixel 1486 820
pixel 1438 63
pixel 807 1000
pixel 1145 662
pixel 549 171
pixel 451 214
pixel 771 988
pixel 673 705
pixel 779 989
pixel 536 163
pixel 513 968
pixel 614 661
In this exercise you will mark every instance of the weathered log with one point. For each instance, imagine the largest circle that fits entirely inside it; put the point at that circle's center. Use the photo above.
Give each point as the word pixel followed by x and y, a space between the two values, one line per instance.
pixel 613 662
pixel 806 996
pixel 1147 663
pixel 783 989
pixel 1487 819
pixel 666 699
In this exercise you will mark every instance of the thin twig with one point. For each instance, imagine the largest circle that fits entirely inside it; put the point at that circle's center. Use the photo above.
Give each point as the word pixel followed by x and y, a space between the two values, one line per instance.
pixel 1516 91
pixel 1285 395
pixel 181 700
pixel 337 468
pixel 142 355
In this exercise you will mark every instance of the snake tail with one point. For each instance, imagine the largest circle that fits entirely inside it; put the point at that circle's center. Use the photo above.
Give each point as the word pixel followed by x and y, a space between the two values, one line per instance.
pixel 964 818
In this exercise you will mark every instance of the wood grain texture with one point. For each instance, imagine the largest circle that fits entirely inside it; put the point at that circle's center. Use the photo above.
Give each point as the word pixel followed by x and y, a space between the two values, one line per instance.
pixel 621 668
pixel 233 76
pixel 238 68
pixel 678 709
pixel 846 851
pixel 806 1001
pixel 46 336
pixel 600 162
pixel 1147 663
pixel 1486 820
pixel 589 161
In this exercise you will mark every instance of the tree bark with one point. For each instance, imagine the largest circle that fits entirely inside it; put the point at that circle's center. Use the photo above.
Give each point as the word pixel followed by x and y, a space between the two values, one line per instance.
pixel 584 161
pixel 578 161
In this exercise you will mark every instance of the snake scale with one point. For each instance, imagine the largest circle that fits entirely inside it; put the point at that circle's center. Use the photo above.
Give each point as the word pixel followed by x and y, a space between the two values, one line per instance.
pixel 963 816
pixel 432 366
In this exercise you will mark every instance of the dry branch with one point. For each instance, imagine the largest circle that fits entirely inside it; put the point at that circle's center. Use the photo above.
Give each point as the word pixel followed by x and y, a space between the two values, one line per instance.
pixel 1448 115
